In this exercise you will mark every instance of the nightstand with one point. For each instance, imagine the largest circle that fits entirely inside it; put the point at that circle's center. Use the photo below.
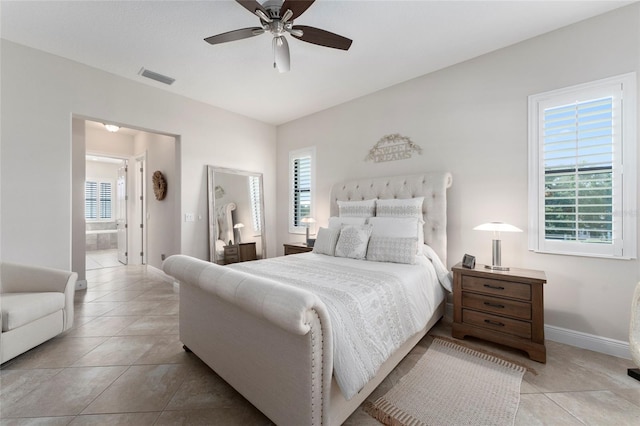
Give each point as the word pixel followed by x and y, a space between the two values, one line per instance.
pixel 295 248
pixel 240 253
pixel 505 307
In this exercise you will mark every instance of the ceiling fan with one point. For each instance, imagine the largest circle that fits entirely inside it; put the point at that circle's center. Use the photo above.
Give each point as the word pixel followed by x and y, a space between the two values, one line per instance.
pixel 277 17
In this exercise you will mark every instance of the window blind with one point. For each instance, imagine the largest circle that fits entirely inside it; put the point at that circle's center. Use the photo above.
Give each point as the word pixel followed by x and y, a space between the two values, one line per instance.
pixel 91 200
pixel 98 200
pixel 301 189
pixel 578 171
pixel 105 200
pixel 256 205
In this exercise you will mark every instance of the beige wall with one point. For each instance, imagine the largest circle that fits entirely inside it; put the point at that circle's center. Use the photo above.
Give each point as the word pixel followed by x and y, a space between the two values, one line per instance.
pixel 471 119
pixel 40 93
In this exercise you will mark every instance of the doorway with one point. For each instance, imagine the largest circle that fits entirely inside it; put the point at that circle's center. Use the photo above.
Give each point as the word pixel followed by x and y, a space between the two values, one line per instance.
pixel 147 219
pixel 105 211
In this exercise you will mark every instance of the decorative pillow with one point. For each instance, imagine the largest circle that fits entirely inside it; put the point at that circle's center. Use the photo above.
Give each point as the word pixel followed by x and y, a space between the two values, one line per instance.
pixel 399 227
pixel 364 208
pixel 390 249
pixel 336 222
pixel 326 241
pixel 407 207
pixel 353 241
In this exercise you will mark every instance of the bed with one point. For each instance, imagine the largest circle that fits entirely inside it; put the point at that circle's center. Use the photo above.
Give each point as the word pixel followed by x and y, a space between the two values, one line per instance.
pixel 273 341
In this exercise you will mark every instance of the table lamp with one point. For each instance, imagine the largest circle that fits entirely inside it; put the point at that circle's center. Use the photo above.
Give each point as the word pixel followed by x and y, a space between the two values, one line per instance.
pixel 496 228
pixel 239 227
pixel 308 221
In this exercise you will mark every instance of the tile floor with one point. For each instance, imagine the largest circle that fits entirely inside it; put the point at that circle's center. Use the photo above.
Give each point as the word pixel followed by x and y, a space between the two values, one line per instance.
pixel 123 364
pixel 98 259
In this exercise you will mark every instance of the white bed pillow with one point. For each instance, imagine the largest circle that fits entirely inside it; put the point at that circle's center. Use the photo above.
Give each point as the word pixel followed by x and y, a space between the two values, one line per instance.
pixel 392 249
pixel 326 241
pixel 364 208
pixel 399 227
pixel 400 207
pixel 336 222
pixel 353 241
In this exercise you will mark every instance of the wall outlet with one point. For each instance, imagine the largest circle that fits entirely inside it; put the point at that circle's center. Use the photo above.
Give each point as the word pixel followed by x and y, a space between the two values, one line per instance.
pixel 162 256
pixel 188 217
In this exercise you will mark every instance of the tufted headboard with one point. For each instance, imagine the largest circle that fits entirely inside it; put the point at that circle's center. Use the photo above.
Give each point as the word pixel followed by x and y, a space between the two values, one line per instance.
pixel 225 221
pixel 432 186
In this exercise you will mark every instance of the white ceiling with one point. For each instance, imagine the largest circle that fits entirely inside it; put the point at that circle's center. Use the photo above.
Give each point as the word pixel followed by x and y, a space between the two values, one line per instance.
pixel 393 41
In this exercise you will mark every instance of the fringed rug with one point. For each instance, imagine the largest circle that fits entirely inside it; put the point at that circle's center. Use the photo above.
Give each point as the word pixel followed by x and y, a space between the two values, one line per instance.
pixel 453 385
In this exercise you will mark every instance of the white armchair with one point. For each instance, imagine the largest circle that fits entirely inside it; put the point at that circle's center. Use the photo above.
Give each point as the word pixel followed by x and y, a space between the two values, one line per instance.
pixel 36 305
pixel 634 333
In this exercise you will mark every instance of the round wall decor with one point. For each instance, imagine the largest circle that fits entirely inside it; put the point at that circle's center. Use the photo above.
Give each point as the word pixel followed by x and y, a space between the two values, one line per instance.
pixel 159 185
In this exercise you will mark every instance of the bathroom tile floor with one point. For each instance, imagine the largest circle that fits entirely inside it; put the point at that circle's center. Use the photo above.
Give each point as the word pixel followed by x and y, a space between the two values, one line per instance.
pixel 123 364
pixel 98 259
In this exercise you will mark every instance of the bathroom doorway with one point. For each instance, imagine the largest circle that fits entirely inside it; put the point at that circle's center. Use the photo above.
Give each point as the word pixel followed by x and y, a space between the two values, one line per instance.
pixel 105 211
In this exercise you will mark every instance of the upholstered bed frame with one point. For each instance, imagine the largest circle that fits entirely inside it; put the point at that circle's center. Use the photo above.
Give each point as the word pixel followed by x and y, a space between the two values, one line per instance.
pixel 279 355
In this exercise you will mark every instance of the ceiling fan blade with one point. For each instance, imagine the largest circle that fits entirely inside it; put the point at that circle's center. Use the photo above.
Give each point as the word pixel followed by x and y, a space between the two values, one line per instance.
pixel 234 35
pixel 322 37
pixel 252 6
pixel 298 7
pixel 281 57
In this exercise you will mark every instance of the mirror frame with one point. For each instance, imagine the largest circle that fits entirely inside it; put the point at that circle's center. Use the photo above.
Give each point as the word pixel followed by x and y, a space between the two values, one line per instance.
pixel 211 199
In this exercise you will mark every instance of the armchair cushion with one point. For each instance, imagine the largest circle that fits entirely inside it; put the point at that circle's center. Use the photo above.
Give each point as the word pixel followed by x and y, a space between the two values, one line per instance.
pixel 19 309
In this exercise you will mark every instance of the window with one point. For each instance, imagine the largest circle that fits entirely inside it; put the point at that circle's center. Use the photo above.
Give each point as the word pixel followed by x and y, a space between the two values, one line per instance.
pixel 256 205
pixel 582 161
pixel 301 178
pixel 98 200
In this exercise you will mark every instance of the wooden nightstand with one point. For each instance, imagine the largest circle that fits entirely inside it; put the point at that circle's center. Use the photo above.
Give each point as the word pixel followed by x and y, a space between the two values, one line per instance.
pixel 505 307
pixel 295 248
pixel 240 253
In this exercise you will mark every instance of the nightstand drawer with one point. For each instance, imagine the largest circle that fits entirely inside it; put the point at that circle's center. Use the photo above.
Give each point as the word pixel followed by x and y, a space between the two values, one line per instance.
pixel 231 250
pixel 497 287
pixel 494 322
pixel 511 308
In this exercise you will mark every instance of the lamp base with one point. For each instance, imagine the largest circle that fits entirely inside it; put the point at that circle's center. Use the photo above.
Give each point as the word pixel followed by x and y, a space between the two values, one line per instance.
pixel 497 268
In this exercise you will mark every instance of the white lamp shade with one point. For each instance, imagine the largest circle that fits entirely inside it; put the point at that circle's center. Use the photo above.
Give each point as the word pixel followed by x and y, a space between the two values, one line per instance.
pixel 238 225
pixel 307 220
pixel 497 227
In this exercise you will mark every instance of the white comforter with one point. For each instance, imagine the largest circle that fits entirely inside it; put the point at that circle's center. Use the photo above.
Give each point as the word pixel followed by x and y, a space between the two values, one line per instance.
pixel 374 306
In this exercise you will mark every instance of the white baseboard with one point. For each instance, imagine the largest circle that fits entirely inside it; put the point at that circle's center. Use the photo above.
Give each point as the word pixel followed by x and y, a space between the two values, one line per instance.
pixel 578 339
pixel 617 348
pixel 81 284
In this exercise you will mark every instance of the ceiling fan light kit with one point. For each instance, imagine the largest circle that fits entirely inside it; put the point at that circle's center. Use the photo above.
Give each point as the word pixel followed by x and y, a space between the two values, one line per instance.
pixel 277 18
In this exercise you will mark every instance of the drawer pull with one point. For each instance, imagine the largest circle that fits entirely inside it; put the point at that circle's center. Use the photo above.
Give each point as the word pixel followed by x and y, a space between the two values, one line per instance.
pixel 494 305
pixel 499 324
pixel 494 287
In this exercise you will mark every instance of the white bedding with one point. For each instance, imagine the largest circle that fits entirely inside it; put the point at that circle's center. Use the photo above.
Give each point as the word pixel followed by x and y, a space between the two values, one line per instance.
pixel 374 306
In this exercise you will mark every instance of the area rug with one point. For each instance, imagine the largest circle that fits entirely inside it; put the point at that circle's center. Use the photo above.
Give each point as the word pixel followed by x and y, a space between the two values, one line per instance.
pixel 453 385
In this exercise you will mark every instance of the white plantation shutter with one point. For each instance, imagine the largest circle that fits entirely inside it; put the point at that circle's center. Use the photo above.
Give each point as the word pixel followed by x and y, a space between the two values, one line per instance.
pixel 106 196
pixel 578 168
pixel 581 140
pixel 256 205
pixel 91 200
pixel 301 188
pixel 98 200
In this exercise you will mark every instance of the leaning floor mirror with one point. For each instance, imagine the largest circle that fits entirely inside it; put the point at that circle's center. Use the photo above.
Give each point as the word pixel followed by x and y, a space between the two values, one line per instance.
pixel 236 215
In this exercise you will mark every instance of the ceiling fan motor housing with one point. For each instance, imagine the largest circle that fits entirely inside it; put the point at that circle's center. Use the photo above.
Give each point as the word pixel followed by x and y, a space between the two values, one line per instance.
pixel 273 8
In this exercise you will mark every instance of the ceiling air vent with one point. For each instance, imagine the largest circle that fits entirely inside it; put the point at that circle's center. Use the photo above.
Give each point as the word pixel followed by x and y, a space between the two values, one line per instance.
pixel 155 76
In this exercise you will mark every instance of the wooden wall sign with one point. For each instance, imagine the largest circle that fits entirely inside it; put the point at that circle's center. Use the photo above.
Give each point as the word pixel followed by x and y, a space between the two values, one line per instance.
pixel 392 147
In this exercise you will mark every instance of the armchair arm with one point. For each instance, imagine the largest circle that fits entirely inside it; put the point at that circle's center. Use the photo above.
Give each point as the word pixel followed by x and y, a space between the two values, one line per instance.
pixel 18 278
